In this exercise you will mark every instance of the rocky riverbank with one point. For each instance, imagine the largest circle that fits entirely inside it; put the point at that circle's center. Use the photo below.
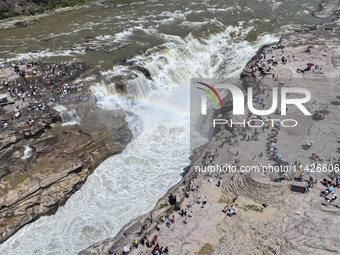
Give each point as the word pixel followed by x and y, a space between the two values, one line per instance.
pixel 292 223
pixel 61 159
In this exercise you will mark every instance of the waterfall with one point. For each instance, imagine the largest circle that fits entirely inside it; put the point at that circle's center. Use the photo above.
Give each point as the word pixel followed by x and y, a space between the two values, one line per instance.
pixel 68 116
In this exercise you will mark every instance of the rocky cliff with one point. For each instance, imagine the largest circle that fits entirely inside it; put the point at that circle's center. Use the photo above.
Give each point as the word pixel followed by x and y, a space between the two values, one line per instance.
pixel 61 158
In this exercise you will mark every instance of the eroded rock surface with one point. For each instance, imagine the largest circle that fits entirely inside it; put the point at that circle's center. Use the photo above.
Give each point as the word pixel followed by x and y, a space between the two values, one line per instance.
pixel 60 161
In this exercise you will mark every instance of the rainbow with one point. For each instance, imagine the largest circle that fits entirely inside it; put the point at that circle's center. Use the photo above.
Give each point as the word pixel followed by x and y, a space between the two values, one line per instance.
pixel 166 106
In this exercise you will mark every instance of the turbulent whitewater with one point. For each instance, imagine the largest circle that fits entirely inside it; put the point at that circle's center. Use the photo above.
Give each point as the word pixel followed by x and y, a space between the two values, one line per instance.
pixel 183 40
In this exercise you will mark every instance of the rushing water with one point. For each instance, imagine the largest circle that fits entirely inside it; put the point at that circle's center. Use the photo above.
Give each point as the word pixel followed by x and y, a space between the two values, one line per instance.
pixel 68 116
pixel 184 40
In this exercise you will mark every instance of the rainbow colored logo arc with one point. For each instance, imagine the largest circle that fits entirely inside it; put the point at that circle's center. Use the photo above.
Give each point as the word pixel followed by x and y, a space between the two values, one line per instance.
pixel 209 93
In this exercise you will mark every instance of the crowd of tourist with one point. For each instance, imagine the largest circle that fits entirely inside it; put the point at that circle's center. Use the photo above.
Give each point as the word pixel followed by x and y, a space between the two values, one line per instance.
pixel 34 86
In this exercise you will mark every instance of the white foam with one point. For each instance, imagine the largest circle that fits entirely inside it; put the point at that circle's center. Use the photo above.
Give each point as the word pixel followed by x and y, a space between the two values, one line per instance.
pixel 27 152
pixel 126 33
pixel 45 54
pixel 105 38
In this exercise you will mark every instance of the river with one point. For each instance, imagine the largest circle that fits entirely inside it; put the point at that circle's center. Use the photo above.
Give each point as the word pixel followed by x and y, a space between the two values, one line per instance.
pixel 182 40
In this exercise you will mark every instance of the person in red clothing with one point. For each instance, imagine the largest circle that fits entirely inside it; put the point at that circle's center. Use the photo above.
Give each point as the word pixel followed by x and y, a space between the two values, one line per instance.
pixel 154 239
pixel 156 248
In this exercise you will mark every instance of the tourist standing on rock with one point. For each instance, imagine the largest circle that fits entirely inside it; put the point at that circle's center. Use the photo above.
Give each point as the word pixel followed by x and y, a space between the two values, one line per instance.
pixel 218 183
pixel 166 250
pixel 156 249
pixel 186 220
pixel 334 197
pixel 226 209
pixel 135 243
pixel 192 185
pixel 142 241
pixel 168 223
pixel 235 211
